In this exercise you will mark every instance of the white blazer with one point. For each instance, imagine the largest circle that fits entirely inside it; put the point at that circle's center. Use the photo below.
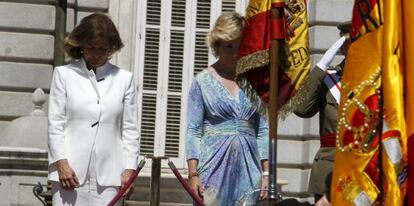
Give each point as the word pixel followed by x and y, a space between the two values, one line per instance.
pixel 89 113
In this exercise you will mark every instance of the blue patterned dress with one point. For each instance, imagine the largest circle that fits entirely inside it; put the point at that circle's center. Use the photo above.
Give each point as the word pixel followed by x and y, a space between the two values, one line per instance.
pixel 229 139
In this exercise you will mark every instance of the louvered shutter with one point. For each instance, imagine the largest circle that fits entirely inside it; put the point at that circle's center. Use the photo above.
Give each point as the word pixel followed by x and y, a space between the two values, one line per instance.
pixel 228 5
pixel 150 76
pixel 171 50
pixel 175 80
pixel 202 27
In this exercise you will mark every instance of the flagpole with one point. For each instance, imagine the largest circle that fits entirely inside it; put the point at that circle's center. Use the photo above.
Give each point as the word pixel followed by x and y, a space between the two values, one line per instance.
pixel 275 45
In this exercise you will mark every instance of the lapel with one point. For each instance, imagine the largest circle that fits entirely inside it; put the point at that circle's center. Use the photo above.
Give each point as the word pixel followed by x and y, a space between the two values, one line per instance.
pixel 101 71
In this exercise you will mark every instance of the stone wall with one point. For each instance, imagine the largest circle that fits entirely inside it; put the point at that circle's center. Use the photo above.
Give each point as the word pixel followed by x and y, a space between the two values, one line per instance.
pixel 20 170
pixel 26 49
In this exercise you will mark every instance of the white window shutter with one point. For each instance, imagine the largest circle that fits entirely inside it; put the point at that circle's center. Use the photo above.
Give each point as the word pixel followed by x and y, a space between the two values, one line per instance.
pixel 228 5
pixel 172 143
pixel 175 78
pixel 203 14
pixel 153 12
pixel 147 123
pixel 150 74
pixel 203 21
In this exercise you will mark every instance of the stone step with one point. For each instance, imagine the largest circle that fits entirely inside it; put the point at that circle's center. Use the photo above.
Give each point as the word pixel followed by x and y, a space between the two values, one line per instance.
pixel 143 203
pixel 147 203
pixel 171 191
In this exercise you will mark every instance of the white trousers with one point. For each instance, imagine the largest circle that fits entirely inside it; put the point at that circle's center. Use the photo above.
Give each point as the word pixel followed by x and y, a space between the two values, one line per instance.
pixel 89 193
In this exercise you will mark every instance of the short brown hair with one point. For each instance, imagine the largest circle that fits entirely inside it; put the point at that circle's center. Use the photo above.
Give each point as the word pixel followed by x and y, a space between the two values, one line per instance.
pixel 94 26
pixel 228 27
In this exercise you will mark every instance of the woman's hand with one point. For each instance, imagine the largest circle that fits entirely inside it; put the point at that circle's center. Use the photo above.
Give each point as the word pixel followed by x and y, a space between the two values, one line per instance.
pixel 264 187
pixel 195 184
pixel 67 176
pixel 265 180
pixel 124 178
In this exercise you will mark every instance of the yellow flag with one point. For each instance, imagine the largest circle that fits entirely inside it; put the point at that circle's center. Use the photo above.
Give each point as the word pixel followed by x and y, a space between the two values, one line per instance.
pixel 371 155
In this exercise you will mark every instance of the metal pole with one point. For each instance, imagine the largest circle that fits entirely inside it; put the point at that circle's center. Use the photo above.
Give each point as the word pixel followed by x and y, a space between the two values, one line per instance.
pixel 275 45
pixel 155 181
pixel 60 31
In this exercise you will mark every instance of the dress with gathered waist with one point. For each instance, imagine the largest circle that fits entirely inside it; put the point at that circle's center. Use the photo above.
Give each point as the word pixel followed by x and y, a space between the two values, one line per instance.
pixel 229 139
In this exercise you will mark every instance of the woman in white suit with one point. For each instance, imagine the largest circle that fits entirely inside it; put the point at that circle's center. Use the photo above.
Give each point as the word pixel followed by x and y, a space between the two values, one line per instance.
pixel 92 136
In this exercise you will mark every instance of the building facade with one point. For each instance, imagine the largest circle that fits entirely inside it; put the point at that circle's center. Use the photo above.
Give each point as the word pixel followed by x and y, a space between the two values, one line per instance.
pixel 164 48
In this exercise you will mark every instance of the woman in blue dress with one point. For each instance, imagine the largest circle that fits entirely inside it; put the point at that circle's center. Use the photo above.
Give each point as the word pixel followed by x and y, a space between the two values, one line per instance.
pixel 227 139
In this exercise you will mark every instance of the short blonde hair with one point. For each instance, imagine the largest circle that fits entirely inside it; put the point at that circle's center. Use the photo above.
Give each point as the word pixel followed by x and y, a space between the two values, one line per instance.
pixel 228 27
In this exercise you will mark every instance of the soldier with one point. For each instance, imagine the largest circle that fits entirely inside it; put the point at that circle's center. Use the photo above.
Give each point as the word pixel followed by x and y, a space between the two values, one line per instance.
pixel 323 95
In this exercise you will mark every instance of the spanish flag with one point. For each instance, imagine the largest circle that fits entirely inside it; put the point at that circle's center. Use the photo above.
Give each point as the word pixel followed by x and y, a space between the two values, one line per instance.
pixel 253 66
pixel 377 108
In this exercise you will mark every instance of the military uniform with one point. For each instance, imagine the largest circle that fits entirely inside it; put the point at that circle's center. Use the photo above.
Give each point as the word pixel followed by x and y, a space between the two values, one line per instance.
pixel 320 99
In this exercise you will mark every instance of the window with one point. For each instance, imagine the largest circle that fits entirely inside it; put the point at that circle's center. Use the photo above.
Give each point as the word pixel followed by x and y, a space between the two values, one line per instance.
pixel 171 38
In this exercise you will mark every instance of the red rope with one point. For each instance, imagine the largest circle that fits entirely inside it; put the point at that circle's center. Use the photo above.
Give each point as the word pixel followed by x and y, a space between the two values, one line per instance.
pixel 127 184
pixel 190 191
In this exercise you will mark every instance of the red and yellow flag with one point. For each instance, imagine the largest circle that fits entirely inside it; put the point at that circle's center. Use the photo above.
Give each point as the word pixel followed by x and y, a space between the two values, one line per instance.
pixel 253 66
pixel 374 117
